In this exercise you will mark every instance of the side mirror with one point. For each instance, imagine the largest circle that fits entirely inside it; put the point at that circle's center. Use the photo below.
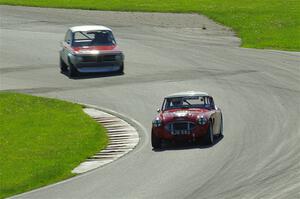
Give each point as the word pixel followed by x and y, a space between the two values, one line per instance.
pixel 158 110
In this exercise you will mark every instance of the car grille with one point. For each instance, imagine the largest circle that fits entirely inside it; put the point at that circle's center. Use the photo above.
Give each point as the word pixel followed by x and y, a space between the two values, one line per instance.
pixel 99 59
pixel 109 57
pixel 89 58
pixel 106 58
pixel 179 128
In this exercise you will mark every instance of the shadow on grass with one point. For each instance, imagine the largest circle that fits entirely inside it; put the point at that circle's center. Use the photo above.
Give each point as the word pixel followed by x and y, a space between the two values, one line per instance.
pixel 172 146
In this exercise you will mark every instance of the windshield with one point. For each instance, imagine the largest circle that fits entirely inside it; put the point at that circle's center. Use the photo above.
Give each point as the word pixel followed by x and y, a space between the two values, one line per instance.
pixel 188 102
pixel 93 38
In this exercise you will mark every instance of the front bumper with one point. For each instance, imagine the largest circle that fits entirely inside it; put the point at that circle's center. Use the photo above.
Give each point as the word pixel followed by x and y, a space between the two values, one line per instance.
pixel 195 134
pixel 98 63
pixel 98 68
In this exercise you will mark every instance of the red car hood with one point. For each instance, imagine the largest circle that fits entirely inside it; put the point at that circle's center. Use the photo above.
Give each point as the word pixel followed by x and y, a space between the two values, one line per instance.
pixel 95 49
pixel 182 114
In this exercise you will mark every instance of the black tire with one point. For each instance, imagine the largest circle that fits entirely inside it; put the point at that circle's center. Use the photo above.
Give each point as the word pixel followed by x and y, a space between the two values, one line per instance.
pixel 155 141
pixel 221 128
pixel 121 70
pixel 72 72
pixel 210 135
pixel 63 65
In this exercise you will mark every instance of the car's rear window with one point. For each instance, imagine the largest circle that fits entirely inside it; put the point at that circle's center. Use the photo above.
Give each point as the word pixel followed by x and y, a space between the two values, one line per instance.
pixel 93 38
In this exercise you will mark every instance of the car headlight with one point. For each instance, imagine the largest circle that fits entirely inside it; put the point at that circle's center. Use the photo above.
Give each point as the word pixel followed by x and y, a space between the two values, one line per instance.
pixel 202 120
pixel 157 122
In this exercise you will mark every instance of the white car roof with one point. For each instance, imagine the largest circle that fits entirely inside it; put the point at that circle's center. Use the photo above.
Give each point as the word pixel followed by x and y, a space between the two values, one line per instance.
pixel 88 28
pixel 187 94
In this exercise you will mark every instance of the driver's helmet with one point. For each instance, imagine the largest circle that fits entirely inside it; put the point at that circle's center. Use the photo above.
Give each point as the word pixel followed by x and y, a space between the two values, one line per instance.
pixel 101 38
pixel 176 102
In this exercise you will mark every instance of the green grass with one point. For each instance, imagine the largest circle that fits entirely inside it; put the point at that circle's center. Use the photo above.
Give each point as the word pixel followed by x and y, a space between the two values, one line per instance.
pixel 272 24
pixel 42 140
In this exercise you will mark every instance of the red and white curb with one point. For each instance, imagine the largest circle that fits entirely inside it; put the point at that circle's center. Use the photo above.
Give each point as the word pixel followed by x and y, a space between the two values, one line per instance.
pixel 122 139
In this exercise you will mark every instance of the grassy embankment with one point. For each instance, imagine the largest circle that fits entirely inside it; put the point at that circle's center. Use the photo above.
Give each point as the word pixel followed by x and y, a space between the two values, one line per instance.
pixel 272 24
pixel 42 140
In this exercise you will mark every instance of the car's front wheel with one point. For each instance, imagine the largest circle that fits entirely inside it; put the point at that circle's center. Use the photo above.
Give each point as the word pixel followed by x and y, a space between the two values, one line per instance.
pixel 72 72
pixel 221 128
pixel 155 141
pixel 210 135
pixel 63 65
pixel 121 70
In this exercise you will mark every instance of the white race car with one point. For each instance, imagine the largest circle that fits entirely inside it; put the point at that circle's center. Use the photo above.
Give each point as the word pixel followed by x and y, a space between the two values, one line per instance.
pixel 89 49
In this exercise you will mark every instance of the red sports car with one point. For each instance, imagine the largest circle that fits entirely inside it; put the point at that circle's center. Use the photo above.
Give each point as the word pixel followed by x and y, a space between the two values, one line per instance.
pixel 187 116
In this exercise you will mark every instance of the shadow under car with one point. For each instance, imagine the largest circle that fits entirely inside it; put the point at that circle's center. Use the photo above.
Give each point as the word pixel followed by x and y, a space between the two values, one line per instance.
pixel 172 145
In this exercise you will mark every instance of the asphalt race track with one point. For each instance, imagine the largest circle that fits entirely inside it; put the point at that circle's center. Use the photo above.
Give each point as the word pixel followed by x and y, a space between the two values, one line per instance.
pixel 258 91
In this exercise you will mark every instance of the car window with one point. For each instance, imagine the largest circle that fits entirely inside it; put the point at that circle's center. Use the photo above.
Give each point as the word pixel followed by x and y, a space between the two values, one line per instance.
pixel 84 36
pixel 93 38
pixel 68 37
pixel 188 102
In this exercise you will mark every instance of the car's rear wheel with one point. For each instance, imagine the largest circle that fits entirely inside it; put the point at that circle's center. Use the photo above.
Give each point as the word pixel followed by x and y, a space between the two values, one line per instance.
pixel 155 141
pixel 72 72
pixel 63 65
pixel 210 135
